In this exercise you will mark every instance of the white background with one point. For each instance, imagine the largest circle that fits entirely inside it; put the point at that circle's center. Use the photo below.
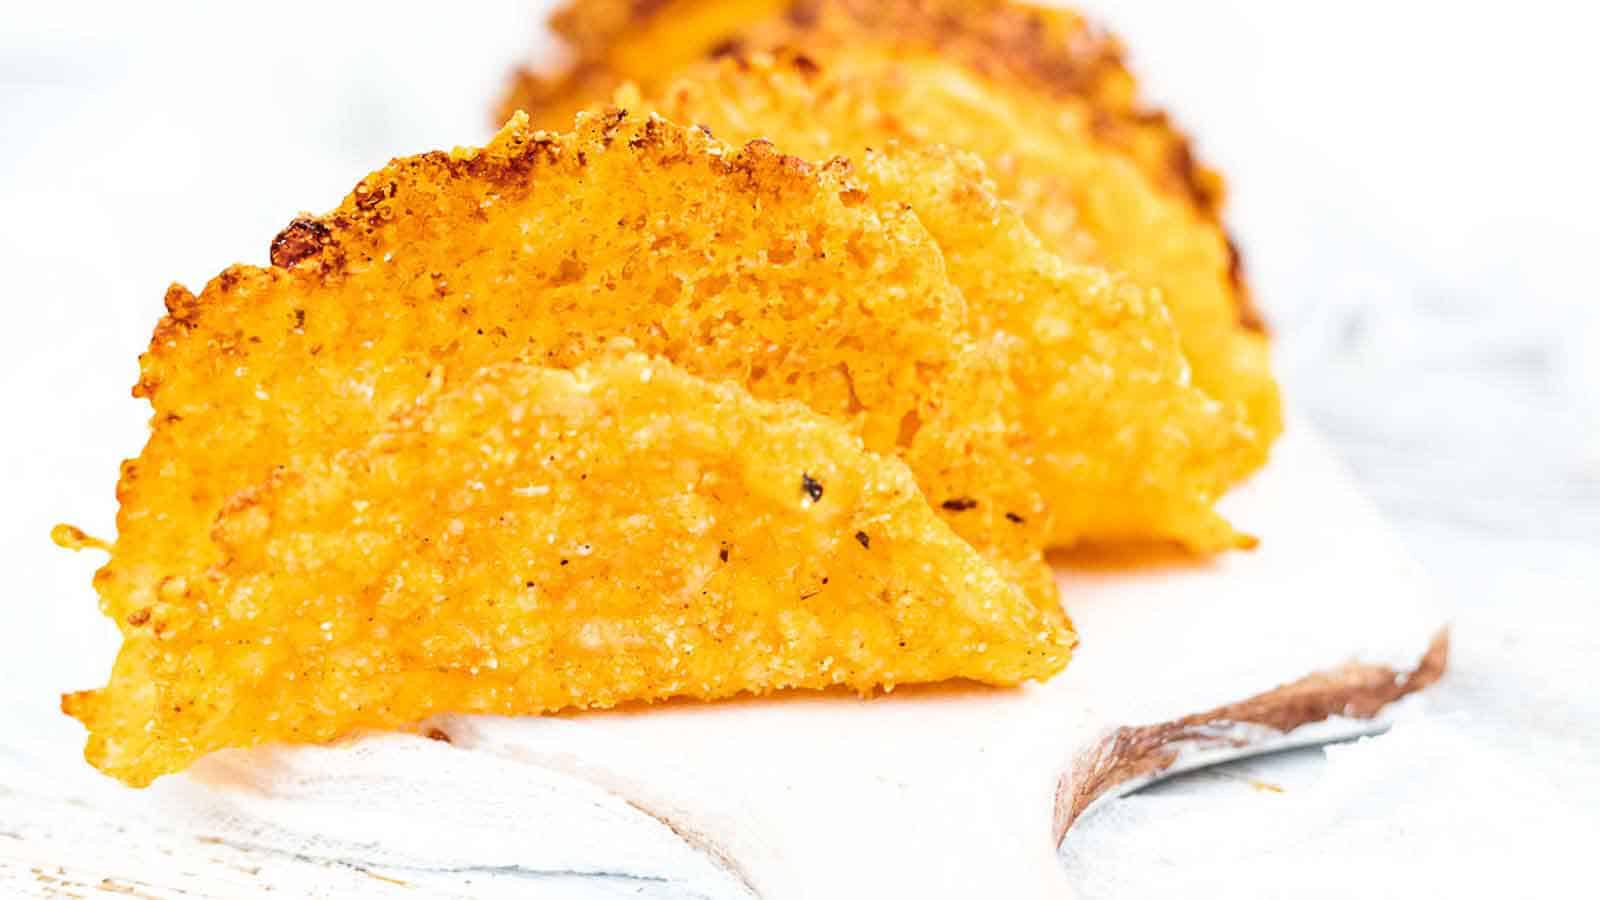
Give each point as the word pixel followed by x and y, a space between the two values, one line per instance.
pixel 1415 185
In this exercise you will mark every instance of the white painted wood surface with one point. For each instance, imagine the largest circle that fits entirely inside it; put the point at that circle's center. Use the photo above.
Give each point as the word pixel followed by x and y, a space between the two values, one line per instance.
pixel 1414 184
pixel 935 792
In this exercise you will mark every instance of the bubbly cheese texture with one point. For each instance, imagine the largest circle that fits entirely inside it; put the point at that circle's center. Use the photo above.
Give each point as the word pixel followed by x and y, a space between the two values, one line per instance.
pixel 1039 94
pixel 1124 446
pixel 1050 48
pixel 528 539
pixel 745 265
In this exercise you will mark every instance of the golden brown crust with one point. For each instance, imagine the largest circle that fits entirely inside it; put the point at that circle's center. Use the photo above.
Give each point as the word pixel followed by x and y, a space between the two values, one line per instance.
pixel 740 264
pixel 300 239
pixel 1125 444
pixel 1056 48
pixel 1083 199
pixel 1250 317
pixel 1063 54
pixel 1057 51
pixel 510 162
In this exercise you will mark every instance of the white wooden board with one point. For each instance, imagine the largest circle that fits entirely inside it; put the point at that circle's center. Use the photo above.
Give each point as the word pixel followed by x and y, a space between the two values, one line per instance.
pixel 935 792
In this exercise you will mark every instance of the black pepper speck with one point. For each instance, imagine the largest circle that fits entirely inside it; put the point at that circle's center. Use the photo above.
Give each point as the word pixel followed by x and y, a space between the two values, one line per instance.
pixel 863 540
pixel 811 486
